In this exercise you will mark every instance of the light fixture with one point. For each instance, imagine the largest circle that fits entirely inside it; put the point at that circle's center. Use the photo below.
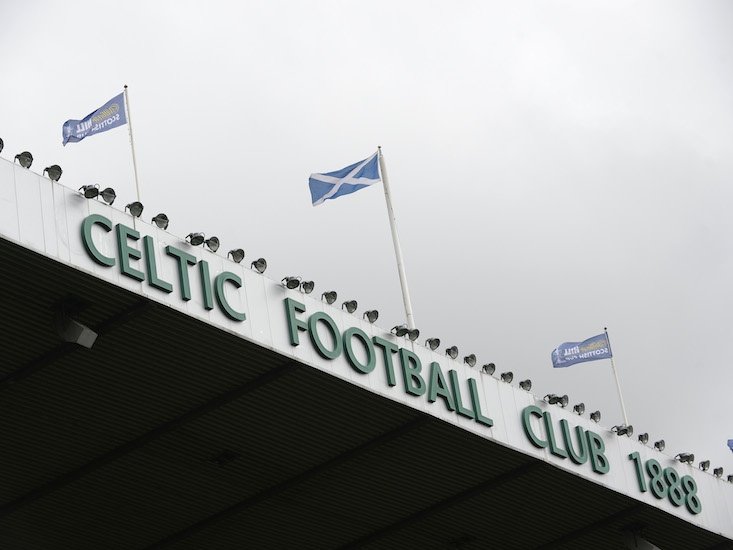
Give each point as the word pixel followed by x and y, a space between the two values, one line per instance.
pixel 595 416
pixel 488 368
pixel 90 191
pixel 623 429
pixel 108 195
pixel 526 385
pixel 25 159
pixel 705 465
pixel 470 360
pixel 161 220
pixel 291 282
pixel 507 377
pixel 644 438
pixel 73 331
pixel 350 306
pixel 452 352
pixel 413 334
pixel 659 445
pixel 718 472
pixel 307 286
pixel 54 172
pixel 371 315
pixel 195 239
pixel 579 408
pixel 212 243
pixel 1 145
pixel 554 399
pixel 330 296
pixel 260 265
pixel 399 330
pixel 730 479
pixel 685 458
pixel 237 254
pixel 135 208
pixel 432 343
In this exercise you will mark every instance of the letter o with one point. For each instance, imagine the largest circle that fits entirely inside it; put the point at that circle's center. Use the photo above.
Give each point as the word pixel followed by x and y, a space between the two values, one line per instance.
pixel 371 358
pixel 313 331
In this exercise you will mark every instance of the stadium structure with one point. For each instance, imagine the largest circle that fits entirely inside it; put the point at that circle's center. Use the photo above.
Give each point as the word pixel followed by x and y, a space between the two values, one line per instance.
pixel 157 394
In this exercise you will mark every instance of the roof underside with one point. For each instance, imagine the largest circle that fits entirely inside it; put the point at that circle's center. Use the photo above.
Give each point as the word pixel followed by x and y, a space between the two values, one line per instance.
pixel 170 433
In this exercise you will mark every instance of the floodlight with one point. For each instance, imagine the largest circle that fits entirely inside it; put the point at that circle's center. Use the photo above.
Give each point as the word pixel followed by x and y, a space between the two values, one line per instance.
pixel 413 334
pixel 488 368
pixel 623 429
pixel 89 191
pixel 212 243
pixel 25 159
pixel 470 360
pixel 507 377
pixel 108 195
pixel 526 385
pixel 330 296
pixel 73 331
pixel 685 458
pixel 195 239
pixel 595 416
pixel 432 343
pixel 718 472
pixel 579 408
pixel 400 330
pixel 161 220
pixel 659 445
pixel 260 265
pixel 371 315
pixel 730 479
pixel 237 254
pixel 291 282
pixel 644 438
pixel 705 465
pixel 350 306
pixel 135 208
pixel 307 286
pixel 452 352
pixel 54 172
pixel 1 145
pixel 554 399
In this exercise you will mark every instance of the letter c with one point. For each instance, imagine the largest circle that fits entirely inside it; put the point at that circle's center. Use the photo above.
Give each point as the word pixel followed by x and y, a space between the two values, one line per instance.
pixel 86 238
pixel 536 441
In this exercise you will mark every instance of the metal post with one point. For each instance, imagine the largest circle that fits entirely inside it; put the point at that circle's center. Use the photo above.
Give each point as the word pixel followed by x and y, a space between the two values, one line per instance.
pixel 132 143
pixel 615 374
pixel 396 241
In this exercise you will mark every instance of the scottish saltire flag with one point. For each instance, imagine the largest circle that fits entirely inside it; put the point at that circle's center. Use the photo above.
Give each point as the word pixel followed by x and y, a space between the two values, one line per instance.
pixel 591 349
pixel 108 116
pixel 344 181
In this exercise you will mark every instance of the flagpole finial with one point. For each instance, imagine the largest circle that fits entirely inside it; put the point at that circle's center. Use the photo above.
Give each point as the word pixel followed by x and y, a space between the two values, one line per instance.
pixel 125 86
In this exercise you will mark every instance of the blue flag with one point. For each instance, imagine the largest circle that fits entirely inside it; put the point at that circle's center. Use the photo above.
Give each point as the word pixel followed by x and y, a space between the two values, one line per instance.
pixel 591 349
pixel 730 444
pixel 108 116
pixel 345 181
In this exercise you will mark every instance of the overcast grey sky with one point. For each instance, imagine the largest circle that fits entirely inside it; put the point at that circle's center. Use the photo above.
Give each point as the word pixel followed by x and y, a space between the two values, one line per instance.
pixel 556 167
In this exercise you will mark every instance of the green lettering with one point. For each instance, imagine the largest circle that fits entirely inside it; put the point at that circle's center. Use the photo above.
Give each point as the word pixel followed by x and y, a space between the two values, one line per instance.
pixel 388 348
pixel 294 324
pixel 598 460
pixel 86 238
pixel 411 367
pixel 353 361
pixel 127 251
pixel 152 268
pixel 316 339
pixel 455 386
pixel 437 386
pixel 221 298
pixel 184 260
pixel 532 410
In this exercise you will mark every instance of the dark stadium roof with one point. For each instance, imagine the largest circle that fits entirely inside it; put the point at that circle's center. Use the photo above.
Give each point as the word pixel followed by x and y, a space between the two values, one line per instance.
pixel 171 433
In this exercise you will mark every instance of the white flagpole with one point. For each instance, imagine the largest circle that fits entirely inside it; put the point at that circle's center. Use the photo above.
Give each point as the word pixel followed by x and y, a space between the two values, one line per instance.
pixel 396 241
pixel 618 385
pixel 132 143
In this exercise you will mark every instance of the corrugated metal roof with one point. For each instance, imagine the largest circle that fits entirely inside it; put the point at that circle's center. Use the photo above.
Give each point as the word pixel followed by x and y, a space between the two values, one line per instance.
pixel 112 447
